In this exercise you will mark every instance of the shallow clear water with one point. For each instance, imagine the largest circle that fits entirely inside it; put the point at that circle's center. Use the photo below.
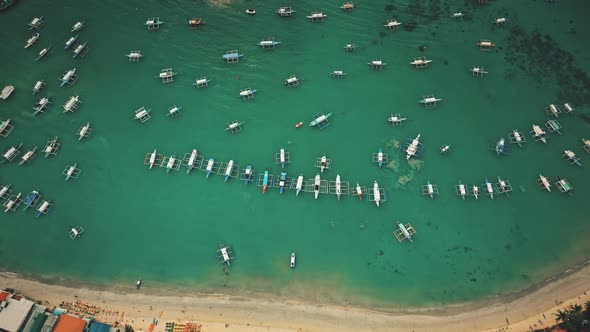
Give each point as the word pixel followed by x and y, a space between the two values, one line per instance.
pixel 166 227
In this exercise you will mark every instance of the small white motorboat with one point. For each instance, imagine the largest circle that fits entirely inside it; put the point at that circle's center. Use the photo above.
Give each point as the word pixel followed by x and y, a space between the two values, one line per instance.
pixel 292 260
pixel 250 11
pixel 32 40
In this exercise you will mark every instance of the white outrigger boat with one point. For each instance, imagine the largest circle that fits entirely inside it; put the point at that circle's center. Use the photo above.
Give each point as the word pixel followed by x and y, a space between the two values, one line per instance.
pixel 337 73
pixel 571 157
pixel 72 104
pixel 13 203
pixel 323 163
pixel 81 50
pixel 404 232
pixel 51 148
pixel 134 56
pixel 475 191
pixel 420 62
pixel 392 24
pixel 12 152
pixel 268 43
pixel 376 193
pixel 69 77
pixel 202 82
pixel 413 147
pixel 191 160
pixel 586 142
pixel 71 42
pixel 5 191
pixel 38 86
pixel 429 101
pixel 377 64
pixel 316 186
pixel 285 11
pixel 174 110
pixel 544 183
pixel 299 184
pixel 43 208
pixel 5 128
pixel 71 172
pixel 228 170
pixel 76 232
pixel 477 71
pixel 489 187
pixel 516 137
pixel 396 119
pixel 32 40
pixel 567 107
pixel 552 110
pixel 538 134
pixel 359 191
pixel 28 156
pixel 78 26
pixel 84 131
pixel 247 93
pixel 338 187
pixel 41 105
pixel 500 21
pixel 317 16
pixel 36 23
pixel 6 92
pixel 292 264
pixel 153 157
pixel 43 53
pixel 456 15
pixel 461 190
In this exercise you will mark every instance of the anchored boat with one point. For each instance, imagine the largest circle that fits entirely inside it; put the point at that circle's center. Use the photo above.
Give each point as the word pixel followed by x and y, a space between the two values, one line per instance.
pixel 265 181
pixel 316 186
pixel 32 199
pixel 43 208
pixel 292 264
pixel 248 174
pixel 282 181
pixel 209 168
pixel 338 187
pixel 299 184
pixel 376 193
pixel 71 41
pixel 78 26
pixel 359 191
pixel 32 40
pixel 195 22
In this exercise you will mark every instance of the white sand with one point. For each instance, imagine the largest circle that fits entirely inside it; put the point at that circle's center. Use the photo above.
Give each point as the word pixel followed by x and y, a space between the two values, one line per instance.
pixel 249 315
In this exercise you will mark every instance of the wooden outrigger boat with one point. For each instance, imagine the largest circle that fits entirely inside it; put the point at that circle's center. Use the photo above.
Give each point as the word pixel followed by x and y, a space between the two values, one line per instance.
pixel 69 77
pixel 36 23
pixel 224 254
pixel 316 186
pixel 404 232
pixel 134 56
pixel 359 191
pixel 457 15
pixel 269 43
pixel 43 208
pixel 413 149
pixel 71 172
pixel 285 11
pixel 81 50
pixel 5 191
pixel 12 203
pixel 228 170
pixel 538 134
pixel 571 157
pixel 485 45
pixel 564 186
pixel 586 143
pixel 28 156
pixel 153 23
pixel 320 120
pixel 31 199
pixel 376 193
pixel 282 181
pixel 71 42
pixel 544 183
pixel 429 189
pixel 323 163
pixel 392 24
pixel 489 188
pixel 338 187
pixel 191 160
pixel 265 181
pixel 232 56
pixel 43 52
pixel 41 105
pixel 209 168
pixel 500 147
pixel 84 131
pixel 5 128
pixel 202 82
pixel 429 101
pixel 32 40
pixel 51 148
pixel 195 22
pixel 12 152
pixel 78 26
pixel 461 190
pixel 247 93
pixel 76 232
pixel 153 157
pixel 299 185
pixel 317 16
pixel 248 174
pixel 420 62
pixel 475 191
pixel 38 86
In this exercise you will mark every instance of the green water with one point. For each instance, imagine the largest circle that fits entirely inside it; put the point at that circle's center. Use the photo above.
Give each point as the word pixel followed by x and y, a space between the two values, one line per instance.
pixel 166 227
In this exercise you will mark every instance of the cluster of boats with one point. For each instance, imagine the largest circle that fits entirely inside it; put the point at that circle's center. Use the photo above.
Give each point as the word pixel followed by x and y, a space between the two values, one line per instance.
pixel 14 201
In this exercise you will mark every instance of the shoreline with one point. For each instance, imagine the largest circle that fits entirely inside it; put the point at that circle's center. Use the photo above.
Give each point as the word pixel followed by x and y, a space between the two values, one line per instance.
pixel 522 309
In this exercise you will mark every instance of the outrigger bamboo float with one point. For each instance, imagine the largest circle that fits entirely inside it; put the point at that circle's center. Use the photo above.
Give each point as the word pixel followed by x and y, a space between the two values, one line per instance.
pixel 32 40
pixel 5 128
pixel 430 189
pixel 420 62
pixel 323 163
pixel 282 157
pixel 152 158
pixel 379 157
pixel 71 42
pixel 232 56
pixel 12 203
pixel 12 152
pixel 485 45
pixel 543 183
pixel 69 77
pixel 585 142
pixel 71 172
pixel 392 25
pixel 396 119
pixel 28 156
pixel 571 157
pixel 234 127
pixel 36 23
pixel 78 26
pixel 43 53
pixel 285 11
pixel 517 137
pixel 478 71
pixel 44 208
pixel 51 147
pixel 72 104
pixel 538 134
pixel 317 17
pixel 166 75
pixel 404 232
pixel 376 64
pixel 202 82
pixel 564 186
pixel 84 131
pixel 41 105
pixel 142 115
pixel 269 43
pixel 153 23
pixel 134 56
pixel 429 101
pixel 38 86
pixel 171 163
pixel 247 93
pixel 320 120
pixel 553 126
pixel 413 148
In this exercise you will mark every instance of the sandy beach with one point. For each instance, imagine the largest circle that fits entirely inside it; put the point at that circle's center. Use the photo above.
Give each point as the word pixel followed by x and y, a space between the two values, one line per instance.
pixel 517 312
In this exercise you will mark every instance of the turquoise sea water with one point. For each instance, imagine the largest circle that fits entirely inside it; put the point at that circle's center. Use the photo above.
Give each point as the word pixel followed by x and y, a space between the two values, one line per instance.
pixel 166 227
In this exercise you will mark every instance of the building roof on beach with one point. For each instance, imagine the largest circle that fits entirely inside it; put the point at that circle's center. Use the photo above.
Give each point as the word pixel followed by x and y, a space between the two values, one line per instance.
pixel 99 327
pixel 67 323
pixel 15 313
